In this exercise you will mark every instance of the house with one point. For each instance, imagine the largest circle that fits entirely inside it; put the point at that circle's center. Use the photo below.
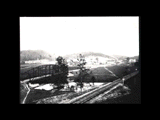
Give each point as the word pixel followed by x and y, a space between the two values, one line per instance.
pixel 132 60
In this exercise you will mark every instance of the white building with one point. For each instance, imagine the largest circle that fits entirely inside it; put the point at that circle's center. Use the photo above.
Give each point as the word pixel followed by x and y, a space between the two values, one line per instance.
pixel 44 61
pixel 132 60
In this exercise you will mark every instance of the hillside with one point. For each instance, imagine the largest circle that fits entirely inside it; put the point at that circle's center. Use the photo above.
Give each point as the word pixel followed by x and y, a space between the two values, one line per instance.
pixel 86 54
pixel 34 55
pixel 120 57
pixel 41 54
pixel 134 57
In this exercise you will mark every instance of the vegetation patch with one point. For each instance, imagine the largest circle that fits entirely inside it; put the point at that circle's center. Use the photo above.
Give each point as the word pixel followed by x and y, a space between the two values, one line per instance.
pixel 111 96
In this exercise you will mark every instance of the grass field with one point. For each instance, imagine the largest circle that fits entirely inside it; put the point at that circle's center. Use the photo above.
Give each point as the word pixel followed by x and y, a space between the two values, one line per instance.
pixel 122 70
pixel 102 75
pixel 112 72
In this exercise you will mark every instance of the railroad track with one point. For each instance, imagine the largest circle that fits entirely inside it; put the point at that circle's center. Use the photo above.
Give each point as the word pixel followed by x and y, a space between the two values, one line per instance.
pixel 92 94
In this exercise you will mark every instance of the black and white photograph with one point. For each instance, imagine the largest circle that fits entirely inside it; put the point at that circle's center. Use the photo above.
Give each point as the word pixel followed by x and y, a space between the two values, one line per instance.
pixel 79 60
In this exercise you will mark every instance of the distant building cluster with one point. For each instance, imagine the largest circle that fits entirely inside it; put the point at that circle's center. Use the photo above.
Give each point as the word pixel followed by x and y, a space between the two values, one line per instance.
pixel 92 60
pixel 43 61
pixel 132 60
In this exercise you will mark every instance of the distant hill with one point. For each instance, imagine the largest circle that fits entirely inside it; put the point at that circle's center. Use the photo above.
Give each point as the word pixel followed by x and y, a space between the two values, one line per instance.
pixel 134 57
pixel 86 54
pixel 26 55
pixel 120 57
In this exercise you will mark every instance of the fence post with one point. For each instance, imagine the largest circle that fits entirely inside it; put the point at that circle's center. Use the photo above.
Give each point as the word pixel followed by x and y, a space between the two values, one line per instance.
pixel 38 71
pixel 52 70
pixel 45 70
pixel 33 73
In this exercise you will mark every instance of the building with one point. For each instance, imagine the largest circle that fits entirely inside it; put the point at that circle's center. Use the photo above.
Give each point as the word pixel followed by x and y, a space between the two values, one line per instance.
pixel 43 61
pixel 132 60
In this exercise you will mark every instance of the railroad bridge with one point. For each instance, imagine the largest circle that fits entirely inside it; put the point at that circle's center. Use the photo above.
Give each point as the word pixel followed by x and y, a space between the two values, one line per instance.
pixel 44 74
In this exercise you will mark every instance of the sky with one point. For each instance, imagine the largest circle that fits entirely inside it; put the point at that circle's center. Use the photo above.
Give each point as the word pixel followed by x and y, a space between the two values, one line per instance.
pixel 67 35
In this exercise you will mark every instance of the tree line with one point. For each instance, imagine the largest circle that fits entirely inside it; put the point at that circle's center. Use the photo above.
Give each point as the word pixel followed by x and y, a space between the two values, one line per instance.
pixel 34 55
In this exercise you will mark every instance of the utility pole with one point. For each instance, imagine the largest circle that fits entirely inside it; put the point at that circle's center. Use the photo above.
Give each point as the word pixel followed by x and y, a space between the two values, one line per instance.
pixel 81 64
pixel 123 81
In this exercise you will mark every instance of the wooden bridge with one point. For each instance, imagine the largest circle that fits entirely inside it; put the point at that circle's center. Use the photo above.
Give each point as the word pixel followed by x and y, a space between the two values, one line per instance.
pixel 44 73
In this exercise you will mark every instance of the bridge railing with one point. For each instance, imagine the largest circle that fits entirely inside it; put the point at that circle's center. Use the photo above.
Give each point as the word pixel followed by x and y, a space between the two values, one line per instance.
pixel 41 71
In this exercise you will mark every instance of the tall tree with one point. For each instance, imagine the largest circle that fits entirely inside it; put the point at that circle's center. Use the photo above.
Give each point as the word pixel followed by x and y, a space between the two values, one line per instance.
pixel 59 60
pixel 97 59
pixel 81 63
pixel 63 72
pixel 127 59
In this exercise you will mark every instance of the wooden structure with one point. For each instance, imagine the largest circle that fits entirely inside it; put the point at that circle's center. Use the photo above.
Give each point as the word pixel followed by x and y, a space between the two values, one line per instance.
pixel 44 73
